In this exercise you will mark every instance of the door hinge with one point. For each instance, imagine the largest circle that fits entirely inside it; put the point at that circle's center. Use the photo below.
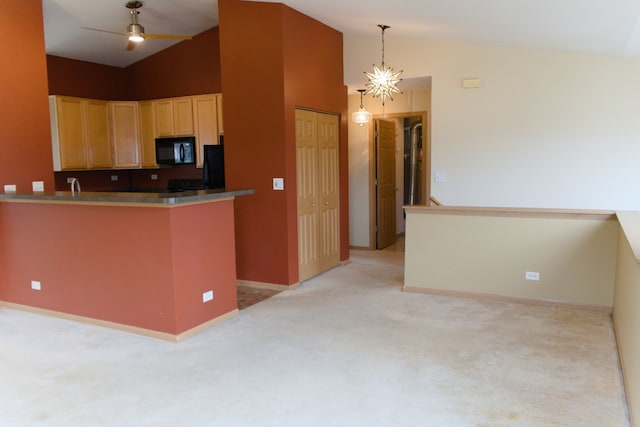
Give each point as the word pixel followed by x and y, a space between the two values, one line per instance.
pixel 375 181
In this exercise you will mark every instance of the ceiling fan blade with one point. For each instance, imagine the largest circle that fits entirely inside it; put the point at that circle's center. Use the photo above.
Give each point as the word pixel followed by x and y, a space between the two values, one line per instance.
pixel 103 31
pixel 166 37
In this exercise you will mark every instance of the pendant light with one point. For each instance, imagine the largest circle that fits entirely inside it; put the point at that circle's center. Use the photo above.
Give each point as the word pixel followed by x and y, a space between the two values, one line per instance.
pixel 383 80
pixel 362 116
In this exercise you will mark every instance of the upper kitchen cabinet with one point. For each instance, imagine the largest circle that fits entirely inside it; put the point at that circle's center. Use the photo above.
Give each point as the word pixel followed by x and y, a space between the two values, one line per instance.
pixel 80 133
pixel 125 134
pixel 207 122
pixel 174 116
pixel 147 134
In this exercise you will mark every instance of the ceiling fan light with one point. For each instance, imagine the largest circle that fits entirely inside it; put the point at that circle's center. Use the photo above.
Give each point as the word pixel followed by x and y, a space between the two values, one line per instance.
pixel 135 32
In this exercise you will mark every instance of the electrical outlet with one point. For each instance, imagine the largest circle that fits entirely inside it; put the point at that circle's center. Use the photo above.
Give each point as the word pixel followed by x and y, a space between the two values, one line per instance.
pixel 441 177
pixel 278 183
pixel 207 296
pixel 35 285
pixel 532 275
pixel 114 177
pixel 69 180
pixel 10 188
pixel 37 186
pixel 154 177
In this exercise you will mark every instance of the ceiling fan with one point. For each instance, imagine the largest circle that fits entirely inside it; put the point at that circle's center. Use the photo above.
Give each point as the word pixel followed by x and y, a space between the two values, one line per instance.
pixel 135 31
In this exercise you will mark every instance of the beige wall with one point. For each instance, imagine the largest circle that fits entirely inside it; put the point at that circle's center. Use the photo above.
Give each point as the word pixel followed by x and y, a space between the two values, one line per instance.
pixel 546 129
pixel 626 315
pixel 489 254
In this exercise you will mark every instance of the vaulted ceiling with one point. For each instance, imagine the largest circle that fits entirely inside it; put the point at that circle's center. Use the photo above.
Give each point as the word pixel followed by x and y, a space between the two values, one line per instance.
pixel 591 26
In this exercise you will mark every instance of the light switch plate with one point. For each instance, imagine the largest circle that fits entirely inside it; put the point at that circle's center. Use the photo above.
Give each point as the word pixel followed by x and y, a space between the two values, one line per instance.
pixel 441 177
pixel 37 186
pixel 10 188
pixel 35 285
pixel 154 177
pixel 278 183
pixel 114 177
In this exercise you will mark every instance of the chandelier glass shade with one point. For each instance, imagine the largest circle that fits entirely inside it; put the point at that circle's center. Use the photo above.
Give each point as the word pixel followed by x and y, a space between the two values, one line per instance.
pixel 383 80
pixel 362 116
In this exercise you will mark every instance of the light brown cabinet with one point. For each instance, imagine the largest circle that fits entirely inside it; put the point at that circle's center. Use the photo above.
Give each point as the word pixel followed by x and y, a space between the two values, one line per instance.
pixel 206 122
pixel 80 133
pixel 147 134
pixel 95 134
pixel 174 116
pixel 125 133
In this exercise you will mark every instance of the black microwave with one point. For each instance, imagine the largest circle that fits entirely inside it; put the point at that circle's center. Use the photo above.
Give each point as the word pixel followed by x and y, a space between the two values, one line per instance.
pixel 179 150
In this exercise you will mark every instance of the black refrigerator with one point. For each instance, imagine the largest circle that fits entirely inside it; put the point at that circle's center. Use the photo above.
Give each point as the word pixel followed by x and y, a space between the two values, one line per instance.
pixel 213 166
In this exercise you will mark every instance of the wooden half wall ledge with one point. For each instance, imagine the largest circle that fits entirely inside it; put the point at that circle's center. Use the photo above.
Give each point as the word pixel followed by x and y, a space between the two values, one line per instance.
pixel 264 285
pixel 504 298
pixel 514 212
pixel 121 327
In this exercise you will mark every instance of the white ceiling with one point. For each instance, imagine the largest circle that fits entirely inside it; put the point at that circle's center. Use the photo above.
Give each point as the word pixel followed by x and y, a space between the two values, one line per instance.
pixel 607 27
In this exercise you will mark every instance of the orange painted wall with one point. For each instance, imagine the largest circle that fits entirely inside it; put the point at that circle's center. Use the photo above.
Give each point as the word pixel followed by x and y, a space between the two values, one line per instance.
pixel 83 79
pixel 25 141
pixel 190 67
pixel 273 59
pixel 144 267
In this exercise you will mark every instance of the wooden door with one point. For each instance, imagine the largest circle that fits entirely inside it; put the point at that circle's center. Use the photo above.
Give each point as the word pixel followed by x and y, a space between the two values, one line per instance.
pixel 73 153
pixel 329 190
pixel 386 183
pixel 97 134
pixel 125 134
pixel 307 193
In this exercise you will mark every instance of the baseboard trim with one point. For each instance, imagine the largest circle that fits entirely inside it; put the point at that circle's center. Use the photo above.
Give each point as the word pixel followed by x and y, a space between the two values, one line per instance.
pixel 504 298
pixel 361 248
pixel 264 285
pixel 165 336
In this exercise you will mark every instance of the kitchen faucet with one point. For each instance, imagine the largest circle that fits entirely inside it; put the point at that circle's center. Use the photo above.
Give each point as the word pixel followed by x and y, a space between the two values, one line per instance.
pixel 75 184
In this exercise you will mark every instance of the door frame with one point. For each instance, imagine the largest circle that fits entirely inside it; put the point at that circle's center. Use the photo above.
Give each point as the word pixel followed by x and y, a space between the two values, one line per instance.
pixel 426 162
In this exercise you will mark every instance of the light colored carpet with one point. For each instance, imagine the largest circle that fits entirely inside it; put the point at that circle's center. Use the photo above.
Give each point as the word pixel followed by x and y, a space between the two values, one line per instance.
pixel 348 348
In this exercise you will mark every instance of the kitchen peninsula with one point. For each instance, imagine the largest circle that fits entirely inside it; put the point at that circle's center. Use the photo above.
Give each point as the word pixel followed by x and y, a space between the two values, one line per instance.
pixel 158 264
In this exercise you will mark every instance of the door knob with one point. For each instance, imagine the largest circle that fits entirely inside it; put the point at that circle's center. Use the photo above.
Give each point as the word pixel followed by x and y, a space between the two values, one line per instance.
pixel 313 205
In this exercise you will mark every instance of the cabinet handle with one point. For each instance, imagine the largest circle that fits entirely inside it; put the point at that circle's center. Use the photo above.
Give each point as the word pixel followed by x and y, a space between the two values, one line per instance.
pixel 326 203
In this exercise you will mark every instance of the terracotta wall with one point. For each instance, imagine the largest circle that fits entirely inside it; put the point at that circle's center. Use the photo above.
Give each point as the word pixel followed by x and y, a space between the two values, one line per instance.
pixel 139 266
pixel 24 111
pixel 85 79
pixel 287 59
pixel 191 67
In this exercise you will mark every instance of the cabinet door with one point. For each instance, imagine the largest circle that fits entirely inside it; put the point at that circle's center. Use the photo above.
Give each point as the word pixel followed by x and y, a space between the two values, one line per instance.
pixel 98 142
pixel 164 117
pixel 205 119
pixel 147 134
pixel 125 134
pixel 70 142
pixel 183 116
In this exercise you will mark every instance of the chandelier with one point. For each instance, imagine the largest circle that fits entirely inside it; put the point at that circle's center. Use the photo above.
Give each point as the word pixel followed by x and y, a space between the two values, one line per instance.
pixel 383 80
pixel 362 116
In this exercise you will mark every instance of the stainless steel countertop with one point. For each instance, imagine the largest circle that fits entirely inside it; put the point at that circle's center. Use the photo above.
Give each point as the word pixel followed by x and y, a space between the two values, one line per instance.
pixel 162 198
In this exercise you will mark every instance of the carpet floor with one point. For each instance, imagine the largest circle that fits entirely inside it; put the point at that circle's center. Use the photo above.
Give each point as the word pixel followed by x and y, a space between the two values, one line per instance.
pixel 347 348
